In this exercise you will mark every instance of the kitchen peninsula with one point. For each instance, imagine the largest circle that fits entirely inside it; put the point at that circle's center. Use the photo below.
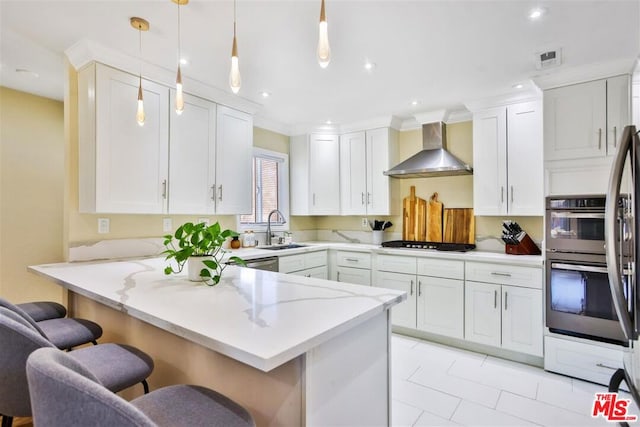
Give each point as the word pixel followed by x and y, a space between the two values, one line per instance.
pixel 292 350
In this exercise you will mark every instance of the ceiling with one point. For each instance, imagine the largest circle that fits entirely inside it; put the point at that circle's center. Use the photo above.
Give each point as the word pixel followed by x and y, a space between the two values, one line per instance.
pixel 441 54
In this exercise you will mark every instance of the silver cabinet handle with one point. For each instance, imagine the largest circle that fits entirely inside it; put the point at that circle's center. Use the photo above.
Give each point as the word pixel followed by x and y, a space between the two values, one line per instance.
pixel 506 297
pixel 497 273
pixel 362 196
pixel 599 138
pixel 213 192
pixel 501 194
pixel 351 259
pixel 338 277
pixel 602 365
pixel 368 198
pixel 574 267
pixel 419 288
pixel 314 199
pixel 220 192
pixel 615 136
pixel 512 194
pixel 164 189
pixel 411 288
pixel 308 275
pixel 495 299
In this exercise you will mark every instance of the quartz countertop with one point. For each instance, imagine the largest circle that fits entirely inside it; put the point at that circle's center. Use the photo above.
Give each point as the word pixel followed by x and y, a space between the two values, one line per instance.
pixel 260 318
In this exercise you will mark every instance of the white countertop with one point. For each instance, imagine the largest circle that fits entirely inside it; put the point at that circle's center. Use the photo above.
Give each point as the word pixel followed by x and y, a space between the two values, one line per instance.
pixel 260 318
pixel 474 255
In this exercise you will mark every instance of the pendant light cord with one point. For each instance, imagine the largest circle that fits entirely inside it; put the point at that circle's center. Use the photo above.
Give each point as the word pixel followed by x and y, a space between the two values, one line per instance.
pixel 140 50
pixel 179 41
pixel 234 18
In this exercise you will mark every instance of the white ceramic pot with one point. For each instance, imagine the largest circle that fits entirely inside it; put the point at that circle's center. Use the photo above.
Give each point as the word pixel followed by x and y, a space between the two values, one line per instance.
pixel 194 266
pixel 376 238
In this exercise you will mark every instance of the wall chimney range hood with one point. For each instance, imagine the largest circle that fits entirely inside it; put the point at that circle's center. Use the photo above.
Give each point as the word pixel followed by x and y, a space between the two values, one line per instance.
pixel 434 160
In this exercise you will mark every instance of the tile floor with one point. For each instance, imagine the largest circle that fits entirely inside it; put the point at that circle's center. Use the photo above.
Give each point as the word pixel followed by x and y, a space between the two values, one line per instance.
pixel 436 385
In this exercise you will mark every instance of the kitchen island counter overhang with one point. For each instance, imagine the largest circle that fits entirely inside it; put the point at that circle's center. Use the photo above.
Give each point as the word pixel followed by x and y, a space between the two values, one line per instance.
pixel 263 319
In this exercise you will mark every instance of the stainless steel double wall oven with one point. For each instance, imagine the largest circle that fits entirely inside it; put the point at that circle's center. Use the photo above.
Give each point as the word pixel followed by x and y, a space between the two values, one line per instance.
pixel 578 297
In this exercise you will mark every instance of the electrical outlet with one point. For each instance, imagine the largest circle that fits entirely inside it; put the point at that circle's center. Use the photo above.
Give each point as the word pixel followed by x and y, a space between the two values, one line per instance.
pixel 167 225
pixel 103 225
pixel 365 223
pixel 205 220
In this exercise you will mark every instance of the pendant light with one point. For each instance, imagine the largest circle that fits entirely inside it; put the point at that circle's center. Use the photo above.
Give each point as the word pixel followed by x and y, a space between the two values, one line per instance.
pixel 140 25
pixel 179 95
pixel 234 76
pixel 324 52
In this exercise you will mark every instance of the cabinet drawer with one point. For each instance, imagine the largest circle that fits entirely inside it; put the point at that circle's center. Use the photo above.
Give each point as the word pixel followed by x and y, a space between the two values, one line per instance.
pixel 528 277
pixel 358 276
pixel 581 360
pixel 447 268
pixel 354 259
pixel 290 263
pixel 316 272
pixel 396 263
pixel 315 259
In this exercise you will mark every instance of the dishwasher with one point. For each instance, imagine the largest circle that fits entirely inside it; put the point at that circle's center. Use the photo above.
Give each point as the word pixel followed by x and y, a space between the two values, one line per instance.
pixel 266 263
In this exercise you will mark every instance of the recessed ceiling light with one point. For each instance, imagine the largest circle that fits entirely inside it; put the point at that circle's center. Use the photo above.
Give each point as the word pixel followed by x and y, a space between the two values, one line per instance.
pixel 518 86
pixel 28 73
pixel 536 13
pixel 328 122
pixel 369 66
pixel 184 61
pixel 414 102
pixel 265 94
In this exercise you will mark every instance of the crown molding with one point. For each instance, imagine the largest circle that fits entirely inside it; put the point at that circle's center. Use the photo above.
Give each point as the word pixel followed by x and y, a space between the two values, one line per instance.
pixel 86 51
pixel 531 92
pixel 272 125
pixel 562 77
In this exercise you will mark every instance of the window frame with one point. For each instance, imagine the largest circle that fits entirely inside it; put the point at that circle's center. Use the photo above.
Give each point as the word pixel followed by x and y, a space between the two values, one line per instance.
pixel 283 191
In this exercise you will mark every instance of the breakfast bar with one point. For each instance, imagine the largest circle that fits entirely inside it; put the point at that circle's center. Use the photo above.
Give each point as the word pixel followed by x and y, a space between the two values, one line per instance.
pixel 292 350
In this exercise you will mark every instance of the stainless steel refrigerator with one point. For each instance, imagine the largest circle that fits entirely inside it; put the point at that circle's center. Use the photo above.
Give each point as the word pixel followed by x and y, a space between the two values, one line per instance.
pixel 622 246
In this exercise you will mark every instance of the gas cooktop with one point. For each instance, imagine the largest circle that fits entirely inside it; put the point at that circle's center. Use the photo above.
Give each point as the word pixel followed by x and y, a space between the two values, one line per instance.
pixel 439 246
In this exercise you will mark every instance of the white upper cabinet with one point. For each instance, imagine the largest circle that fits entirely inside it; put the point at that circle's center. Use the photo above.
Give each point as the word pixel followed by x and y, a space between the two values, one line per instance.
pixel 192 154
pixel 586 120
pixel 364 156
pixel 122 166
pixel 508 160
pixel 315 175
pixel 234 145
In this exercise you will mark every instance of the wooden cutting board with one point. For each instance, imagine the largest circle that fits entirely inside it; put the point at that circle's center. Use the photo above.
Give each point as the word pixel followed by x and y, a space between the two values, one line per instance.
pixel 459 225
pixel 434 219
pixel 414 211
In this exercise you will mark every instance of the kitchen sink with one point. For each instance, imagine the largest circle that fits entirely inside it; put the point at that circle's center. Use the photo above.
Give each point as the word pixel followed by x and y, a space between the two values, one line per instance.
pixel 279 247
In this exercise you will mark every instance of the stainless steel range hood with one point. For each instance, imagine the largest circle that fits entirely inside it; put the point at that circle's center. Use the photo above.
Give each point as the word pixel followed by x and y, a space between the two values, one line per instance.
pixel 433 160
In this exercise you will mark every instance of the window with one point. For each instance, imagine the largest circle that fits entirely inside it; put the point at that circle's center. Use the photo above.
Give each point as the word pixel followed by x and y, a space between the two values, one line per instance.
pixel 270 188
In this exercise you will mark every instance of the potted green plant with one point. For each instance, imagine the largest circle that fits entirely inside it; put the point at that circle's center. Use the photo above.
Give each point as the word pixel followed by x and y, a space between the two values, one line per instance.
pixel 199 246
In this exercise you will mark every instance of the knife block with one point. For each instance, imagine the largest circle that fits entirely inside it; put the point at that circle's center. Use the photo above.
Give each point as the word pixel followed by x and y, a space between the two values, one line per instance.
pixel 525 247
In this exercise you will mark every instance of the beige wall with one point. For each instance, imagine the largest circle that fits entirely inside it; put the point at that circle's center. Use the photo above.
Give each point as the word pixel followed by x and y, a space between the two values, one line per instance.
pixel 453 191
pixel 31 190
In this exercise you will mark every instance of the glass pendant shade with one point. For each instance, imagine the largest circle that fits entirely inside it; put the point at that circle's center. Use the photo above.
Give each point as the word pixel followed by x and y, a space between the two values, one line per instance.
pixel 235 81
pixel 140 111
pixel 324 51
pixel 179 95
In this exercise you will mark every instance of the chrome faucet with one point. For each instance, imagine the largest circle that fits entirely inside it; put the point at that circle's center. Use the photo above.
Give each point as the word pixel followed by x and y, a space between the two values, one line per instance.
pixel 269 235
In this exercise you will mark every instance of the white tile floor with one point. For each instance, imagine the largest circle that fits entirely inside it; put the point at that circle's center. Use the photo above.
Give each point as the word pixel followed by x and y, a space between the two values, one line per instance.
pixel 435 385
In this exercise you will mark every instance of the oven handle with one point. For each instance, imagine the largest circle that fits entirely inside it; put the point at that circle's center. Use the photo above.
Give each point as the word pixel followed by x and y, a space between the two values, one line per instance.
pixel 611 245
pixel 574 267
pixel 592 215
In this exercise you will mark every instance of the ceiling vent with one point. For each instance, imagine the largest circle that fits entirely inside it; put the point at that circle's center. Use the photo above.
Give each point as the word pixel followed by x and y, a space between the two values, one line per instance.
pixel 548 59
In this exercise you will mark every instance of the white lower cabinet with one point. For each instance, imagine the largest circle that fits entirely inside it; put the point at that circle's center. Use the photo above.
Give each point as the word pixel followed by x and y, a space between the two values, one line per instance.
pixel 316 272
pixel 441 306
pixel 506 310
pixel 309 264
pixel 353 267
pixel 403 314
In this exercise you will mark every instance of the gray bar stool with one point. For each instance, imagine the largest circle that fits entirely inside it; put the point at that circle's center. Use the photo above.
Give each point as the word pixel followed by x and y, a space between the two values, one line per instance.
pixel 65 393
pixel 116 366
pixel 64 333
pixel 43 310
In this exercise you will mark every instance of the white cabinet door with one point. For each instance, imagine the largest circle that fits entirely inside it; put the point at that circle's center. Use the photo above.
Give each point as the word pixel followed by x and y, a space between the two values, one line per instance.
pixel 357 276
pixel 618 110
pixel 522 327
pixel 489 162
pixel 324 174
pixel 635 105
pixel 234 145
pixel 353 166
pixel 575 121
pixel 525 159
pixel 123 166
pixel 378 160
pixel 403 314
pixel 441 306
pixel 482 313
pixel 192 154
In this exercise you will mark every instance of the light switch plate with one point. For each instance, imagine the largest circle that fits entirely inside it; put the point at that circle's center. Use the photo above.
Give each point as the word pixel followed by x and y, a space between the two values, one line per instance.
pixel 103 225
pixel 365 223
pixel 167 225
